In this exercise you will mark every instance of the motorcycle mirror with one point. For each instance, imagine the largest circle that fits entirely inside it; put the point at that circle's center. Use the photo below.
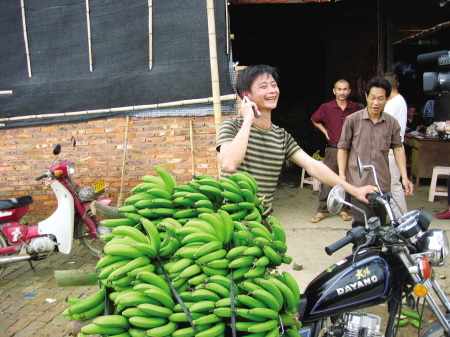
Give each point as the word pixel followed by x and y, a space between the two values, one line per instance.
pixel 73 141
pixel 336 199
pixel 360 168
pixel 57 149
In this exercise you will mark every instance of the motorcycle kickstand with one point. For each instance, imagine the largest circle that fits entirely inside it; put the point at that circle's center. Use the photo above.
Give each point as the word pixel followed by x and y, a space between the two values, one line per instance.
pixel 31 264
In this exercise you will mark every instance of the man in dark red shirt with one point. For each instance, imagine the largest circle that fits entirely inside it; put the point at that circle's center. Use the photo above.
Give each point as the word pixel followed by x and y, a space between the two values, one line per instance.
pixel 329 119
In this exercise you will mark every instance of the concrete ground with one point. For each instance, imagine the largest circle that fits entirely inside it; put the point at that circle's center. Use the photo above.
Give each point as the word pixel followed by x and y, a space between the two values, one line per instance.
pixel 31 302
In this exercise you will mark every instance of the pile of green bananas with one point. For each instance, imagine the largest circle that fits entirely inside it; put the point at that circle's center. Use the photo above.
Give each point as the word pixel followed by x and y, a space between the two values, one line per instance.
pixel 185 243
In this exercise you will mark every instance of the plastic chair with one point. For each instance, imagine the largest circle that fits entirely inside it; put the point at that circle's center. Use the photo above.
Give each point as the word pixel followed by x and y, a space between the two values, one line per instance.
pixel 438 190
pixel 309 180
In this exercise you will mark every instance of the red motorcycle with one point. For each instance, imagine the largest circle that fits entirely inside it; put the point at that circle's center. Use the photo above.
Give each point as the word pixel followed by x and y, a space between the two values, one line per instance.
pixel 72 219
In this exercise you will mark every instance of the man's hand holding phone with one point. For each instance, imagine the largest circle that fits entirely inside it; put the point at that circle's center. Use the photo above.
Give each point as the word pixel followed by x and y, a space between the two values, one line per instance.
pixel 246 103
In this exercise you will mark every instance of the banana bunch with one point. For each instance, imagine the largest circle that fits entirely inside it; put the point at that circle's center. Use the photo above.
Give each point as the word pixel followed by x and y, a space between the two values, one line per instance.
pixel 84 309
pixel 188 240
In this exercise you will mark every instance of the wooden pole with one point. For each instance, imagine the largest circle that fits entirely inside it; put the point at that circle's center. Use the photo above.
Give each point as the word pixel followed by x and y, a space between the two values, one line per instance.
pixel 150 33
pixel 89 35
pixel 191 134
pixel 105 212
pixel 124 162
pixel 76 277
pixel 25 37
pixel 214 68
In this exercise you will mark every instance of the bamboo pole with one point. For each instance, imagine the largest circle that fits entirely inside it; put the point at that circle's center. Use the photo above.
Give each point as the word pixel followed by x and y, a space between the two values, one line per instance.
pixel 150 33
pixel 76 278
pixel 214 68
pixel 120 199
pixel 126 108
pixel 191 134
pixel 25 37
pixel 214 65
pixel 88 19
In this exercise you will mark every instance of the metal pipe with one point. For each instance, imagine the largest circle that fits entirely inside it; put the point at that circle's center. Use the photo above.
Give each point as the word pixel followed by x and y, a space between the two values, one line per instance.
pixel 13 259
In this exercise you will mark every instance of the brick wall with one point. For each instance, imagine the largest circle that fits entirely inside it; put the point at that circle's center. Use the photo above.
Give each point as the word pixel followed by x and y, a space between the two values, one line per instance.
pixel 25 153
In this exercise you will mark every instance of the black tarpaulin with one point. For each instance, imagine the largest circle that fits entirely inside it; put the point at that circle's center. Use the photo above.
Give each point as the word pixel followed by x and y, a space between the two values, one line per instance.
pixel 62 83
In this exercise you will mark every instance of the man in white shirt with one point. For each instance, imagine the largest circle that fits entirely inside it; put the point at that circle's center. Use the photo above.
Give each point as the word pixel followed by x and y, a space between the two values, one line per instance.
pixel 396 107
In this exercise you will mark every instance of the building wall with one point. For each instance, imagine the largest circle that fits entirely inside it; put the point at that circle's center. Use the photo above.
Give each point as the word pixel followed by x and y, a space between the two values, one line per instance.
pixel 26 153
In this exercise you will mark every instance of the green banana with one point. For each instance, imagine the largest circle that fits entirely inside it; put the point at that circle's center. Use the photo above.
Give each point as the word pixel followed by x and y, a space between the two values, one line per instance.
pixel 136 263
pixel 213 193
pixel 264 312
pixel 208 319
pixel 208 248
pixel 186 213
pixel 199 278
pixel 155 240
pixel 214 271
pixel 218 289
pixel 109 259
pixel 164 330
pixel 181 317
pixel 267 298
pixel 216 224
pixel 116 321
pixel 190 271
pixel 266 326
pixel 216 330
pixel 145 248
pixel 243 235
pixel 203 295
pixel 147 322
pixel 166 178
pixel 239 214
pixel 183 201
pixel 242 262
pixel 289 298
pixel 132 232
pixel 186 188
pixel 222 312
pixel 154 279
pixel 236 252
pixel 244 313
pixel 290 281
pixel 251 302
pixel 137 332
pixel 160 296
pixel 271 288
pixel 118 222
pixel 91 313
pixel 215 255
pixel 253 251
pixel 203 306
pixel 93 329
pixel 123 250
pixel 280 246
pixel 255 272
pixel 227 225
pixel 272 255
pixel 218 264
pixel 114 266
pixel 189 332
pixel 226 186
pixel 231 196
pixel 287 259
pixel 226 302
pixel 131 200
pixel 198 237
pixel 200 204
pixel 181 265
pixel 131 312
pixel 153 179
pixel 249 286
pixel 88 303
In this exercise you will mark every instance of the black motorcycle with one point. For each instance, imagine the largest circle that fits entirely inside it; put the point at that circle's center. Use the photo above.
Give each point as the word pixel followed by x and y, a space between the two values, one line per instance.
pixel 375 274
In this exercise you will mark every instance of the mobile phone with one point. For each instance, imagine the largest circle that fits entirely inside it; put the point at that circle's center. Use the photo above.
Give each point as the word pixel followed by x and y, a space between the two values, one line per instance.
pixel 257 112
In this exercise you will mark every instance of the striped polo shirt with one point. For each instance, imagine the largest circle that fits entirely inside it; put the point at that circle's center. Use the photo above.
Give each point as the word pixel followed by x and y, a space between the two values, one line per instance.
pixel 266 152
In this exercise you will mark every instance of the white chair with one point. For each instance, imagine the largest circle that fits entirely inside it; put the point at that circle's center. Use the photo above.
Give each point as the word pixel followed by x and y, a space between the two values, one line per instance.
pixel 309 180
pixel 438 190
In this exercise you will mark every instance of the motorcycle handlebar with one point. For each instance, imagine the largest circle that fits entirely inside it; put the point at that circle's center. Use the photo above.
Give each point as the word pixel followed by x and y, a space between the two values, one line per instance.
pixel 355 235
pixel 338 245
pixel 41 177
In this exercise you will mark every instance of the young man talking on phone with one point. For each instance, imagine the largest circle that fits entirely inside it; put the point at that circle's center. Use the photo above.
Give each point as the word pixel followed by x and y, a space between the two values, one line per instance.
pixel 257 146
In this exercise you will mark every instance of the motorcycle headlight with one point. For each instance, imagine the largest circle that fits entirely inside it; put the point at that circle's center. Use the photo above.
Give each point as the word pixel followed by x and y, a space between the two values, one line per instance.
pixel 435 241
pixel 71 169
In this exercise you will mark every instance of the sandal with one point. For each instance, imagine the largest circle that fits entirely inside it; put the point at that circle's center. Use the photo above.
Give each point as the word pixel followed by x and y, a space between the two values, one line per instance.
pixel 316 218
pixel 345 216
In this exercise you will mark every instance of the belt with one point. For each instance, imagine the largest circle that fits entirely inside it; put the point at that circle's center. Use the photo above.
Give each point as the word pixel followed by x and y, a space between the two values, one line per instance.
pixel 332 145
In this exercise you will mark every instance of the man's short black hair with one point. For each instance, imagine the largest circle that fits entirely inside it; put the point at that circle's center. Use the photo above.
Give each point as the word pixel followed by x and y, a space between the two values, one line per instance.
pixel 245 77
pixel 379 82
pixel 392 79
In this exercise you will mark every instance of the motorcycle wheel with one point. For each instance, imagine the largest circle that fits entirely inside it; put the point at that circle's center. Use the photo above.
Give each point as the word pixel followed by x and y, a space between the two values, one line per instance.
pixel 434 329
pixel 93 246
pixel 2 245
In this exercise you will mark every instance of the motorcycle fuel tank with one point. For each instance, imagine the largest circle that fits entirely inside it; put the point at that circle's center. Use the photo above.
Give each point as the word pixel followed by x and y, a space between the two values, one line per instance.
pixel 342 287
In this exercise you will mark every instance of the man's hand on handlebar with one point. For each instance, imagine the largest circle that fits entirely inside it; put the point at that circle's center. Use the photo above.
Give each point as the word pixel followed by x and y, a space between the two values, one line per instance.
pixel 362 192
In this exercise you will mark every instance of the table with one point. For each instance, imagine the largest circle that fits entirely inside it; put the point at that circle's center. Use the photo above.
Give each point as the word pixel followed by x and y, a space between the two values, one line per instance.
pixel 427 152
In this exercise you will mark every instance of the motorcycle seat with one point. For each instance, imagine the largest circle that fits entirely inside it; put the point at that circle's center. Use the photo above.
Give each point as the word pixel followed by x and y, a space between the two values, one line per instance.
pixel 16 202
